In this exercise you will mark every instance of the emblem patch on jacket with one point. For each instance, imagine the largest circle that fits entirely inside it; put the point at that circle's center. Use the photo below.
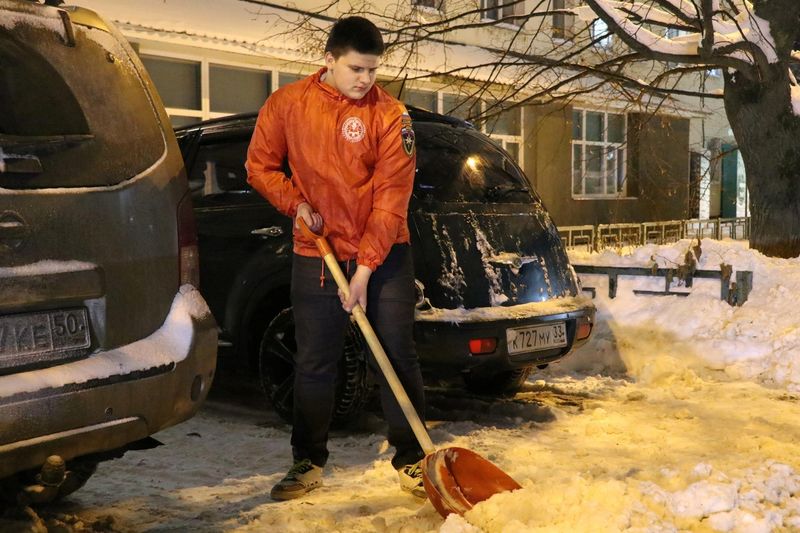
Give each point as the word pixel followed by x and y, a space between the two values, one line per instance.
pixel 407 135
pixel 353 129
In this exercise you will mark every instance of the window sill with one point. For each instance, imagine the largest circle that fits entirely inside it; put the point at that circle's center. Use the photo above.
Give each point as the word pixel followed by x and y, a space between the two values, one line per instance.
pixel 503 25
pixel 603 197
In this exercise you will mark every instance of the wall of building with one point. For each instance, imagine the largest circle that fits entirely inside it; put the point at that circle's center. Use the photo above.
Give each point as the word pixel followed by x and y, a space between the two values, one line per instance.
pixel 228 34
pixel 657 168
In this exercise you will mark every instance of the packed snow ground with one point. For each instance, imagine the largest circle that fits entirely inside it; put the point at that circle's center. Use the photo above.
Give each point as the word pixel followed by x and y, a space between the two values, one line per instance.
pixel 679 415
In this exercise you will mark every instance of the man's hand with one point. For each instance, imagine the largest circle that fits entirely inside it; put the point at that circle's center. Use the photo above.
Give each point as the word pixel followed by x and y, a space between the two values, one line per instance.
pixel 312 218
pixel 358 289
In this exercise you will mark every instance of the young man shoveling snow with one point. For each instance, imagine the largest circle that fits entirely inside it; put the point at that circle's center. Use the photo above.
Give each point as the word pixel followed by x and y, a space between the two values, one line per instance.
pixel 350 147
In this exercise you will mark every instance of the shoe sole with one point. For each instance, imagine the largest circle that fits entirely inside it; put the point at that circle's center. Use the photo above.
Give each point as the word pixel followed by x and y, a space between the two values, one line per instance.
pixel 418 493
pixel 283 495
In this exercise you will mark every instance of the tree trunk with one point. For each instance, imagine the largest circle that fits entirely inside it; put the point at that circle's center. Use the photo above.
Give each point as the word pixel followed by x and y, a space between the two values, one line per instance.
pixel 768 134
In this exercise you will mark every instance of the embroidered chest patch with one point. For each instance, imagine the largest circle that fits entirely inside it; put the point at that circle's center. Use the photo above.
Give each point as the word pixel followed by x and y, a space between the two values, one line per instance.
pixel 353 130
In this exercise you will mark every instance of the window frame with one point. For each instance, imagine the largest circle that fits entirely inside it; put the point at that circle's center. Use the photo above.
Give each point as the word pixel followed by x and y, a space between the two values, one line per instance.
pixel 422 5
pixel 517 9
pixel 595 27
pixel 205 112
pixel 605 145
pixel 500 138
pixel 560 22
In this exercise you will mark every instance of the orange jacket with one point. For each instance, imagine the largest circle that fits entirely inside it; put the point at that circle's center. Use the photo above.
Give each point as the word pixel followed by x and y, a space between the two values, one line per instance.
pixel 353 161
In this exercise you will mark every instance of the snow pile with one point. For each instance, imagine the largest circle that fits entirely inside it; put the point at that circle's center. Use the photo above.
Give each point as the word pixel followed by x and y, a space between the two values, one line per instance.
pixel 685 421
pixel 654 336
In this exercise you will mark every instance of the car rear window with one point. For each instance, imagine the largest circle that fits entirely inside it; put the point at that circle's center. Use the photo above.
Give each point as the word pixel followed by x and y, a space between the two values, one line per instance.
pixel 459 165
pixel 71 116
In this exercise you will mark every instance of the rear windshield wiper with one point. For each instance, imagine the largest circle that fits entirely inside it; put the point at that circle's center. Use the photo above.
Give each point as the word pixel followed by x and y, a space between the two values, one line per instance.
pixel 40 144
pixel 19 154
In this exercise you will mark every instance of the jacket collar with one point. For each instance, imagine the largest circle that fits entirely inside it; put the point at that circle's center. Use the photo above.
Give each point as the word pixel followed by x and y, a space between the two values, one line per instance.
pixel 330 91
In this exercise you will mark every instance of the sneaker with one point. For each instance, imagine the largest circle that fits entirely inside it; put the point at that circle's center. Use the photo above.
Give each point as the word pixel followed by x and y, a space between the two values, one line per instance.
pixel 411 480
pixel 303 477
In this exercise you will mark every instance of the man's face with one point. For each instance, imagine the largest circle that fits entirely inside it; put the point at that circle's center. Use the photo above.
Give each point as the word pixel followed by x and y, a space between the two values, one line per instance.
pixel 352 74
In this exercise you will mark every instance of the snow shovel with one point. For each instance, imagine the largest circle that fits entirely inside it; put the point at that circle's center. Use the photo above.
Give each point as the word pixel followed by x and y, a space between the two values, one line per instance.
pixel 455 479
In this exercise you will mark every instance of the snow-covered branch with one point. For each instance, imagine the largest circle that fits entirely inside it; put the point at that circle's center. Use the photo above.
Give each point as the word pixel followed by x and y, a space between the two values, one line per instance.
pixel 730 36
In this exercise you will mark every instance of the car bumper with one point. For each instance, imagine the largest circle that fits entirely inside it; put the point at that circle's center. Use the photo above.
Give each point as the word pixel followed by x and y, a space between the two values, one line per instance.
pixel 111 398
pixel 443 335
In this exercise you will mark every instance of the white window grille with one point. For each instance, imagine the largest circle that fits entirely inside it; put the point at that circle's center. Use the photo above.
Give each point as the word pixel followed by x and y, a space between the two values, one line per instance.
pixel 598 154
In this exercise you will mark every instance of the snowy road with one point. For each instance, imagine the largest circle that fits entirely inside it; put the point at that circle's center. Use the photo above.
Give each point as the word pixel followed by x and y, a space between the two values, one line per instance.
pixel 680 415
pixel 593 454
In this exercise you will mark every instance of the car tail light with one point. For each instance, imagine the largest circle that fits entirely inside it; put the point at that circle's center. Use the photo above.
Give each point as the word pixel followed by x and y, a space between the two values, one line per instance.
pixel 482 346
pixel 584 328
pixel 187 243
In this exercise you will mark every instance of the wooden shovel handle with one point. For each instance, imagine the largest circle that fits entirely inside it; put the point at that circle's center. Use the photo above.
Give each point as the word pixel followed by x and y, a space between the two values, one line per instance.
pixel 320 240
pixel 372 340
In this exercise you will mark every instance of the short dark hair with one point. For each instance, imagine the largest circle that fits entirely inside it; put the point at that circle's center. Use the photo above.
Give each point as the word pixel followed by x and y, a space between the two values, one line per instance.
pixel 354 33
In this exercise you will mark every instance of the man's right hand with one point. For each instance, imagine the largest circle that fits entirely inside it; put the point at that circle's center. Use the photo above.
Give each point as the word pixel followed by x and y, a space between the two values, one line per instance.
pixel 312 218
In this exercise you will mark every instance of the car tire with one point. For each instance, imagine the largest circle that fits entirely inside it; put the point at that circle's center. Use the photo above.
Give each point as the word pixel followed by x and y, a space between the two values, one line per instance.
pixel 276 370
pixel 507 382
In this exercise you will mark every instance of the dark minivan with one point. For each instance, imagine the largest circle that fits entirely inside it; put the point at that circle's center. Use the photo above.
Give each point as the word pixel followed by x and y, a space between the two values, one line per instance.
pixel 496 293
pixel 104 337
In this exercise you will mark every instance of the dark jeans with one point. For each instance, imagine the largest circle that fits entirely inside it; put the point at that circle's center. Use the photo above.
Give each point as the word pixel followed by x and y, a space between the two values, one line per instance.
pixel 320 325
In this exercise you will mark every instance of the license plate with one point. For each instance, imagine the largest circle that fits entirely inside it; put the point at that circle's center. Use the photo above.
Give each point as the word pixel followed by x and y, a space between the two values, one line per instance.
pixel 43 333
pixel 535 338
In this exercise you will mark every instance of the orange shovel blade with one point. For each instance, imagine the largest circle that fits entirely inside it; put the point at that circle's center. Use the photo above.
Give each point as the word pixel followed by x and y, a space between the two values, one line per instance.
pixel 456 479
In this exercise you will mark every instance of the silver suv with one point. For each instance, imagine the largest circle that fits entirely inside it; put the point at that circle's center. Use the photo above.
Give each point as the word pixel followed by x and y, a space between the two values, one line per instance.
pixel 104 337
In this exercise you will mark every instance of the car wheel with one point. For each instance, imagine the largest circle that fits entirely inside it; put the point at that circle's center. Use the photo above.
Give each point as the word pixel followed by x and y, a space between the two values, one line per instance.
pixel 276 370
pixel 507 382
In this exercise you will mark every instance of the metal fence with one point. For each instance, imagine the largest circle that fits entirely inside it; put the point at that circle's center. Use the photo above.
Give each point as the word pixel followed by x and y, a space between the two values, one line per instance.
pixel 604 236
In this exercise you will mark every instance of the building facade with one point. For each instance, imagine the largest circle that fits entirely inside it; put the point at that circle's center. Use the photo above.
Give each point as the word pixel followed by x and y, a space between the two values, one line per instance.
pixel 592 157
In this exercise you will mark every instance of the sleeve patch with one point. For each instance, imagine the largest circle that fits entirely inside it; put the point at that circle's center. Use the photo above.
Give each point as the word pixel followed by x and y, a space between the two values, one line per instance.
pixel 407 135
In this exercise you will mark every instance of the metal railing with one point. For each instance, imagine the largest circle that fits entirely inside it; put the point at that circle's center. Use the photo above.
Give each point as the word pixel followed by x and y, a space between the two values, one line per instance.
pixel 734 292
pixel 604 236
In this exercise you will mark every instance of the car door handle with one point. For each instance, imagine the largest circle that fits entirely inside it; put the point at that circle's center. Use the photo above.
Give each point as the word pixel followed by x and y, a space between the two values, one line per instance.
pixel 272 231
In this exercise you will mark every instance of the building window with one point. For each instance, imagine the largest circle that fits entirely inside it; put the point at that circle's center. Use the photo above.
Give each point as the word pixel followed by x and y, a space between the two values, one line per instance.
pixel 195 90
pixel 285 78
pixel 502 119
pixel 237 90
pixel 426 100
pixel 460 107
pixel 501 9
pixel 503 125
pixel 598 154
pixel 600 31
pixel 435 5
pixel 561 21
pixel 178 83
